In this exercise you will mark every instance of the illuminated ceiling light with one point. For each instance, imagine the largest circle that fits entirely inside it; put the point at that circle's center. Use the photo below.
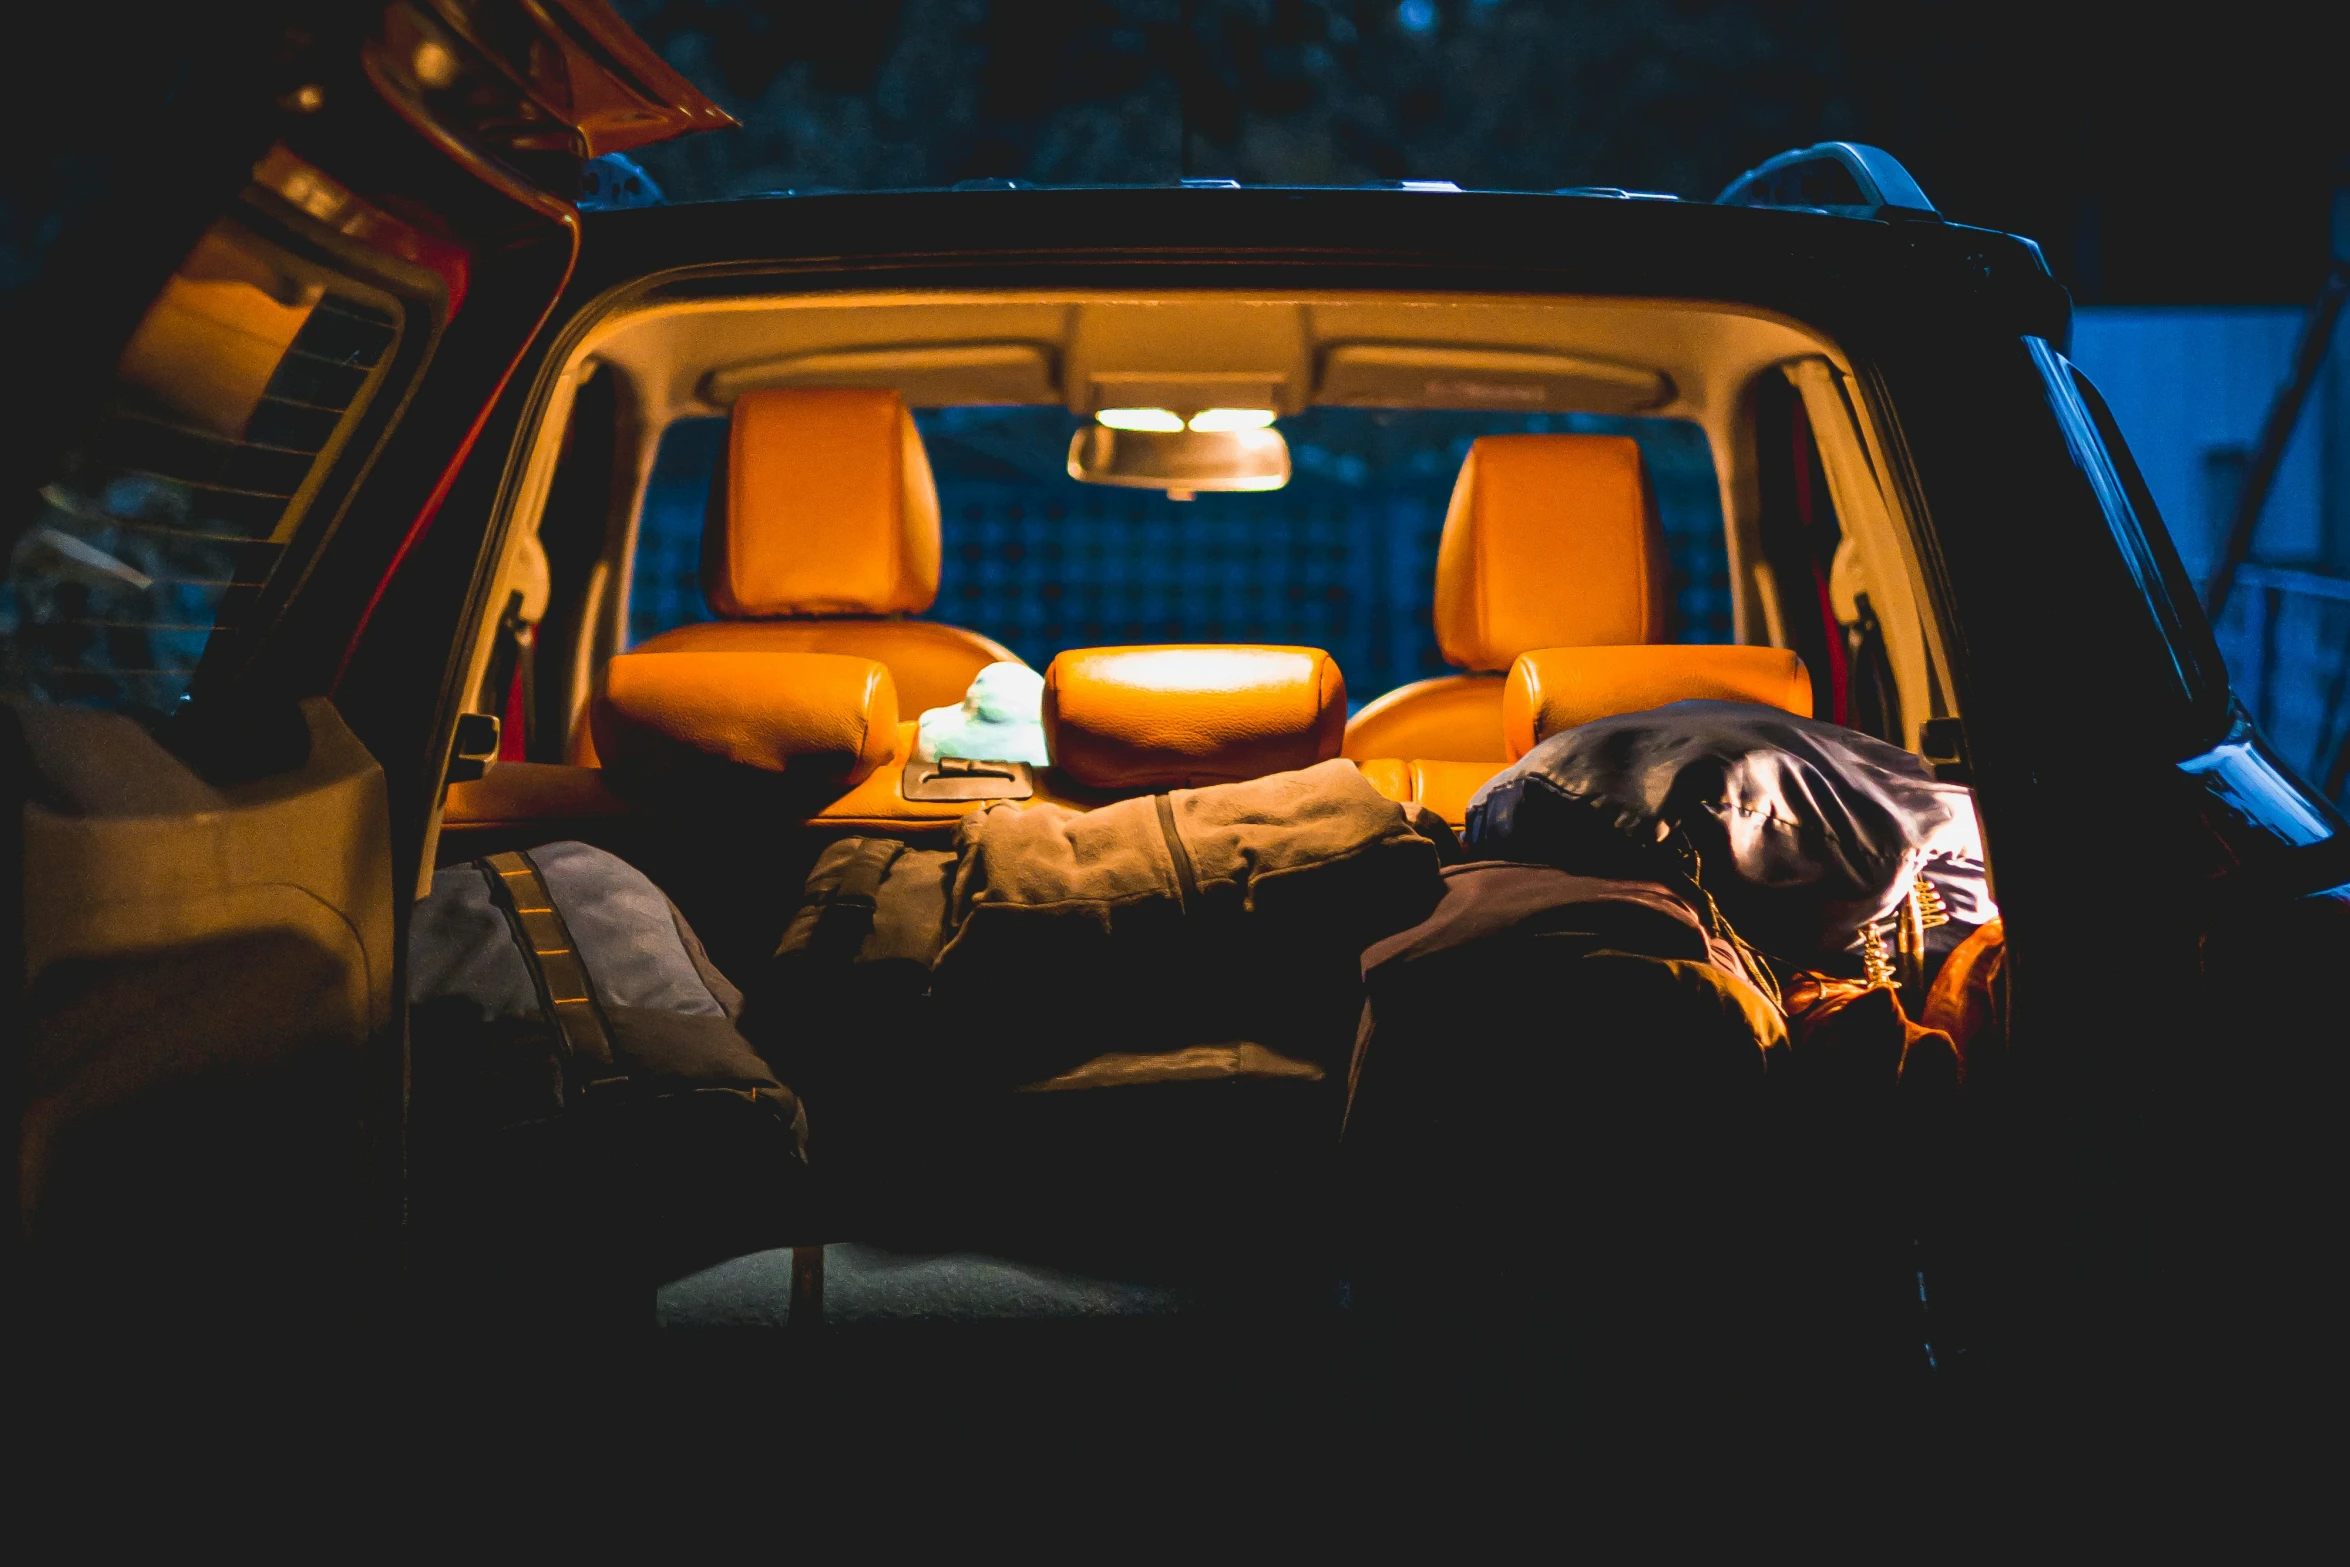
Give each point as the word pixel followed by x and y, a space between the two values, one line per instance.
pixel 435 64
pixel 1232 419
pixel 1156 419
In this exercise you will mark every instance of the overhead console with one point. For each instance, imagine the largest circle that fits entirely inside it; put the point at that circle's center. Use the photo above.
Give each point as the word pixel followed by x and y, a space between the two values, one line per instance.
pixel 1192 352
pixel 1433 375
pixel 925 374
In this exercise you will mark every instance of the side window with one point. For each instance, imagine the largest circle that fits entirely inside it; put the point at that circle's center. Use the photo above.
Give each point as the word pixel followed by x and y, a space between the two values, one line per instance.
pixel 1823 612
pixel 547 652
pixel 2138 528
pixel 154 552
pixel 665 587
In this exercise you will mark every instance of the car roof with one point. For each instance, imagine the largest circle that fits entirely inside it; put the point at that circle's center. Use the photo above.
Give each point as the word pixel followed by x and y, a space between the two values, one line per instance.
pixel 1812 265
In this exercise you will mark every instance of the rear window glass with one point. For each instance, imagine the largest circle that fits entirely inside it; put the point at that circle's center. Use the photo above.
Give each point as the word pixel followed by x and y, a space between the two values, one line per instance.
pixel 1342 558
pixel 150 550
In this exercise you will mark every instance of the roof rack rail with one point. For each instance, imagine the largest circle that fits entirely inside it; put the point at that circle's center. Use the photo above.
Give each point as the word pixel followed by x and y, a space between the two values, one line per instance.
pixel 1615 193
pixel 1843 177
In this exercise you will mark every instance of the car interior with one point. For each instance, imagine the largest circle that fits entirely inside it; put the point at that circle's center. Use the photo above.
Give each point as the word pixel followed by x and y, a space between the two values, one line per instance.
pixel 827 537
pixel 723 753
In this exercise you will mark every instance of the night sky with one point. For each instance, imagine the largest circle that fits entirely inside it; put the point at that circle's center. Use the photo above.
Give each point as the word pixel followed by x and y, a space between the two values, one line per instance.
pixel 2157 156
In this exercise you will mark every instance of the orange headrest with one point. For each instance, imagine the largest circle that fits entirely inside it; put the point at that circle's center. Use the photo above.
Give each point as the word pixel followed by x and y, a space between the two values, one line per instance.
pixel 1180 717
pixel 822 716
pixel 1551 541
pixel 822 505
pixel 1557 688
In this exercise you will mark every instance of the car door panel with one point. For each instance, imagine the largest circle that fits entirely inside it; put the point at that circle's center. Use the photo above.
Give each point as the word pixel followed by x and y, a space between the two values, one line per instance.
pixel 210 639
pixel 208 969
pixel 127 848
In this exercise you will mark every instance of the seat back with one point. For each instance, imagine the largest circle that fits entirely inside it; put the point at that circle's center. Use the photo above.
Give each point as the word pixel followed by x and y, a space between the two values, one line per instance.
pixel 822 533
pixel 671 718
pixel 1133 720
pixel 823 504
pixel 1558 688
pixel 1550 541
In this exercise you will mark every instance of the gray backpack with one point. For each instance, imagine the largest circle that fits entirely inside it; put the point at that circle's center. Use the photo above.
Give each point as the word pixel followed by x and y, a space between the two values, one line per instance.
pixel 578 1078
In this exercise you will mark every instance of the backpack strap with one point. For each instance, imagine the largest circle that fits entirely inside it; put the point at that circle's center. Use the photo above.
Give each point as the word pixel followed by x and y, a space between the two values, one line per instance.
pixel 554 962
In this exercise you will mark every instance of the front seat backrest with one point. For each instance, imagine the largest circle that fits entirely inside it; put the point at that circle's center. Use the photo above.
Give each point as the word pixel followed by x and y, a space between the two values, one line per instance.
pixel 822 535
pixel 1550 541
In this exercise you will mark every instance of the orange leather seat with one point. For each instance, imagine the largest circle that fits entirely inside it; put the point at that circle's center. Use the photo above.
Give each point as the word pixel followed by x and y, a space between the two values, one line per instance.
pixel 1138 719
pixel 823 536
pixel 1550 541
pixel 1558 688
pixel 823 717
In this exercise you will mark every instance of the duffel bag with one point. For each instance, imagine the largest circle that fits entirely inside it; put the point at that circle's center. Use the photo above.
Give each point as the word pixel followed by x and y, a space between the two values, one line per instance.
pixel 581 1092
pixel 1237 912
pixel 1048 937
pixel 1158 992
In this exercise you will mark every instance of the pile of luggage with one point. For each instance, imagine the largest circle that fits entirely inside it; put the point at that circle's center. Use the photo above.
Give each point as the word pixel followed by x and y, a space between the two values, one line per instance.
pixel 1667 975
pixel 1666 1040
pixel 1653 1062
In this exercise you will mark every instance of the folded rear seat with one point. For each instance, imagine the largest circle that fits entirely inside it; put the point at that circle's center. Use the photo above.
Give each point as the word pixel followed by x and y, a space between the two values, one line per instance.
pixel 716 761
pixel 748 712
pixel 815 723
pixel 1133 720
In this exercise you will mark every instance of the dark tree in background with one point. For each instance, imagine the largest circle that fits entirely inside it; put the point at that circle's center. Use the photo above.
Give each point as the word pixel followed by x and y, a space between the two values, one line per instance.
pixel 2157 154
pixel 1487 92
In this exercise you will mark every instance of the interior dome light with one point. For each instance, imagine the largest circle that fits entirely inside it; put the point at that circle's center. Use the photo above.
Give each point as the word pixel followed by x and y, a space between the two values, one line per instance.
pixel 1231 419
pixel 1158 419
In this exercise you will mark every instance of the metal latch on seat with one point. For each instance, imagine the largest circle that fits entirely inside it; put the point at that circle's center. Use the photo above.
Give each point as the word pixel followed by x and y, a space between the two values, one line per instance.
pixel 962 778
